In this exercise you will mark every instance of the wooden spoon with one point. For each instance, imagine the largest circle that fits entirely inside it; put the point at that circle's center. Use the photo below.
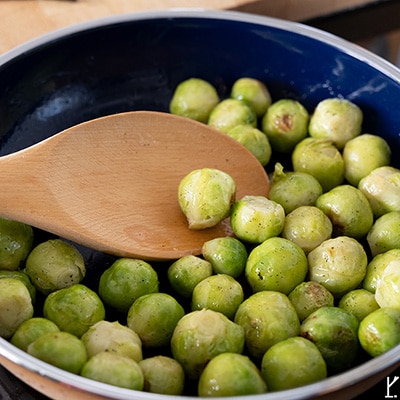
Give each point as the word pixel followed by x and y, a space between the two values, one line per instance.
pixel 112 183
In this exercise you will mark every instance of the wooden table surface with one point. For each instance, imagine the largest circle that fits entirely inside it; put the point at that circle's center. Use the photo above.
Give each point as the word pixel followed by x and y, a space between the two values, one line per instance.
pixel 21 20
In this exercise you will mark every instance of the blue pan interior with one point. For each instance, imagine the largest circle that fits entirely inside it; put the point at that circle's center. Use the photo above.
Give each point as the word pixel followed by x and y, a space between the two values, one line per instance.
pixel 136 66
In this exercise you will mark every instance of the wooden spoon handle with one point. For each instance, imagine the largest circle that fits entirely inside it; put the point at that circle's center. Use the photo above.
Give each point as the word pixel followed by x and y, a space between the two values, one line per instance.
pixel 22 191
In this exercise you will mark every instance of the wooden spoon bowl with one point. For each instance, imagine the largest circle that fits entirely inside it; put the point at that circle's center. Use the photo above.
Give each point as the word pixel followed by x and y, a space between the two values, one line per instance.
pixel 112 183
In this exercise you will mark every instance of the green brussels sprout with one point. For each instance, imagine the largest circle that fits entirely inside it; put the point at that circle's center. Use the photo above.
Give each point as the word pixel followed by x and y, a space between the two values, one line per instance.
pixel 387 292
pixel 114 338
pixel 201 335
pixel 376 267
pixel 363 154
pixel 32 329
pixel 16 241
pixel 293 189
pixel 254 140
pixel 337 119
pixel 115 370
pixel 348 209
pixel 55 264
pixel 227 255
pixel 285 123
pixel 231 112
pixel 162 375
pixel 339 264
pixel 256 218
pixel 267 317
pixel 23 277
pixel 321 159
pixel 253 92
pixel 276 264
pixel 61 349
pixel 153 317
pixel 186 272
pixel 15 306
pixel 359 302
pixel 220 292
pixel 384 234
pixel 126 280
pixel 334 331
pixel 308 296
pixel 74 309
pixel 230 374
pixel 292 363
pixel 194 98
pixel 382 189
pixel 308 227
pixel 379 331
pixel 205 197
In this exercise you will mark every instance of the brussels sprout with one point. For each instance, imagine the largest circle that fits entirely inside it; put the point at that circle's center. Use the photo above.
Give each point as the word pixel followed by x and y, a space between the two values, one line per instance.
pixel 384 234
pixel 276 264
pixel 267 317
pixel 285 123
pixel 61 349
pixel 114 369
pixel 321 159
pixel 253 92
pixel 376 267
pixel 230 374
pixel 153 317
pixel 24 278
pixel 308 296
pixel 387 292
pixel 379 331
pixel 231 112
pixel 360 302
pixel 162 375
pixel 201 335
pixel 15 306
pixel 382 189
pixel 348 209
pixel 339 264
pixel 363 154
pixel 219 293
pixel 32 329
pixel 126 280
pixel 186 272
pixel 337 119
pixel 16 241
pixel 55 264
pixel 334 331
pixel 194 98
pixel 254 140
pixel 74 309
pixel 293 189
pixel 227 255
pixel 205 197
pixel 256 218
pixel 308 227
pixel 292 363
pixel 114 338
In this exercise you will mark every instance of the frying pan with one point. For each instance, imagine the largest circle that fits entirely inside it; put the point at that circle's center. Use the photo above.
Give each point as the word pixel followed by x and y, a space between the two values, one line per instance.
pixel 134 62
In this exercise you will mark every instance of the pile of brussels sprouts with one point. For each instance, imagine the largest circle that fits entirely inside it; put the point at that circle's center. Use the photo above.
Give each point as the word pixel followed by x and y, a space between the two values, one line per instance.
pixel 308 286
